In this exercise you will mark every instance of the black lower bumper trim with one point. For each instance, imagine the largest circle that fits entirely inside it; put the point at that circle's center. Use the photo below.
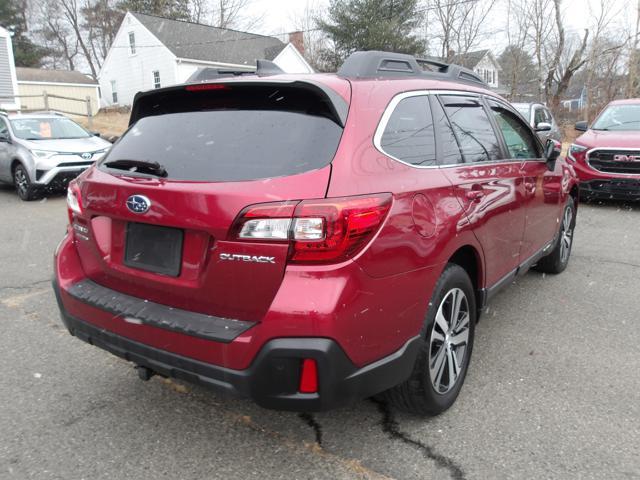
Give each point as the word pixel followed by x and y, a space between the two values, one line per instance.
pixel 190 323
pixel 614 189
pixel 272 378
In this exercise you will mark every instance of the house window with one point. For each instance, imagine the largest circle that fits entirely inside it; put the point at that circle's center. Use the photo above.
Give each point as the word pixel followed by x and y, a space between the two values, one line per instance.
pixel 132 43
pixel 114 91
pixel 156 79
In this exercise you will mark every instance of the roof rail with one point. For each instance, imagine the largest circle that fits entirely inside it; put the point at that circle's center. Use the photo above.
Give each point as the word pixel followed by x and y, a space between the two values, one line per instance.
pixel 264 68
pixel 376 64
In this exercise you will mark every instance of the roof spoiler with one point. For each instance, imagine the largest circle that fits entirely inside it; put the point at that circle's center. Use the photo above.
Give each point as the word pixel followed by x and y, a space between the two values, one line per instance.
pixel 264 68
pixel 376 64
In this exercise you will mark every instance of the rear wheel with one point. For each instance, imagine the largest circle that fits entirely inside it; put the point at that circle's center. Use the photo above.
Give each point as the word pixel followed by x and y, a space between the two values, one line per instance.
pixel 24 188
pixel 447 341
pixel 558 259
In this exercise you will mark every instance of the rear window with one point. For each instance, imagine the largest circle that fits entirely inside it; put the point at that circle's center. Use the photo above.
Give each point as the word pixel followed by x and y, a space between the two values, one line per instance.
pixel 233 134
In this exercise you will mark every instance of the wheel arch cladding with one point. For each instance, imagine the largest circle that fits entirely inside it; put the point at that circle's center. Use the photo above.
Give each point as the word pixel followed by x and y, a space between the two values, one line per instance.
pixel 575 194
pixel 468 258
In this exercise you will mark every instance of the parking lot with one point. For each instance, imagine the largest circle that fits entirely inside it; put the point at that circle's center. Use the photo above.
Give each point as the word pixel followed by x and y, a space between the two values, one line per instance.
pixel 553 389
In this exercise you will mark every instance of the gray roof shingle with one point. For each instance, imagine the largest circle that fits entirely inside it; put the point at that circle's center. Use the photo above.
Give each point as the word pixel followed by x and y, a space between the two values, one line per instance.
pixel 203 42
pixel 52 76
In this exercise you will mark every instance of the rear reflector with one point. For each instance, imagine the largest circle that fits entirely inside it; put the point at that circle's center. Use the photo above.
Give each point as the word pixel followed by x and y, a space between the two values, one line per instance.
pixel 309 376
pixel 328 230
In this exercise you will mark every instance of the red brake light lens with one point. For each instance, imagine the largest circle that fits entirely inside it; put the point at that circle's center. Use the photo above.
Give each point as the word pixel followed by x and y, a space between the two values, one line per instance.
pixel 206 86
pixel 349 223
pixel 74 201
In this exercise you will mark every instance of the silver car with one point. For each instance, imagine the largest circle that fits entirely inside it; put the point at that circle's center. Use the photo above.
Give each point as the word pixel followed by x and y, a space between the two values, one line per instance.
pixel 40 151
pixel 541 120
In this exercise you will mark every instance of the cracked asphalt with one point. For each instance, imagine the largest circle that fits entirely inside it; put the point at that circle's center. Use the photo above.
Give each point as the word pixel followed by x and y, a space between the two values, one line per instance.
pixel 553 390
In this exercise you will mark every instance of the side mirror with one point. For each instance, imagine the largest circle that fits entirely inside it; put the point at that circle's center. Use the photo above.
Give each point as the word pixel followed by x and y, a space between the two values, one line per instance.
pixel 543 127
pixel 581 126
pixel 552 151
pixel 4 138
pixel 96 134
pixel 113 138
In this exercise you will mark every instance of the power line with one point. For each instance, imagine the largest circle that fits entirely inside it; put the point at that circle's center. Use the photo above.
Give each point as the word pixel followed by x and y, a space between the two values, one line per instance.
pixel 281 34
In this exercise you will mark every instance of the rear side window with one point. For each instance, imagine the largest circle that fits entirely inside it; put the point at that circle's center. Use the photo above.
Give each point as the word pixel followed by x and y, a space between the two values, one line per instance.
pixel 472 128
pixel 229 135
pixel 409 134
pixel 539 116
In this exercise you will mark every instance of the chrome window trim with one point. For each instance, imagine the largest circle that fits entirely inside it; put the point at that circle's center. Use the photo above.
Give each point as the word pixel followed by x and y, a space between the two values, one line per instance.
pixel 611 149
pixel 382 124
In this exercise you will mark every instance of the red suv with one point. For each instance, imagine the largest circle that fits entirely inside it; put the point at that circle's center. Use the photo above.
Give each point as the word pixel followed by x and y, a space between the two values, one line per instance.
pixel 607 156
pixel 310 240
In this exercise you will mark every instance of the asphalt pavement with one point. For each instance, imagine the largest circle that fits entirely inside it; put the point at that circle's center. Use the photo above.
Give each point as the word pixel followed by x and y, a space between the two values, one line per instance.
pixel 553 390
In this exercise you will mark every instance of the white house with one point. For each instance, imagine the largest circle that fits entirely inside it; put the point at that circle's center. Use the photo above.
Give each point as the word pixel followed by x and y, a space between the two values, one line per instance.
pixel 484 63
pixel 153 52
pixel 8 83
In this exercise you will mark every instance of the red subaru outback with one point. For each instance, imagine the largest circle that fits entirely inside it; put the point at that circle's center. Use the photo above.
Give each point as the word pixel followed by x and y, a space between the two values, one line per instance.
pixel 606 157
pixel 307 241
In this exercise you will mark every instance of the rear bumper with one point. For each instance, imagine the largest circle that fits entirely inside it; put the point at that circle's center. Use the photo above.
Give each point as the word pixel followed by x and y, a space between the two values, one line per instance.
pixel 613 189
pixel 272 378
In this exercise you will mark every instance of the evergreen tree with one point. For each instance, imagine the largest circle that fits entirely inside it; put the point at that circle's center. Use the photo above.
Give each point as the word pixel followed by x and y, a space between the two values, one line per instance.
pixel 174 9
pixel 12 17
pixel 371 25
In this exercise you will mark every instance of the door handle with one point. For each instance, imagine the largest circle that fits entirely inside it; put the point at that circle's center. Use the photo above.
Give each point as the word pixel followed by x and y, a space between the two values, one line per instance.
pixel 474 195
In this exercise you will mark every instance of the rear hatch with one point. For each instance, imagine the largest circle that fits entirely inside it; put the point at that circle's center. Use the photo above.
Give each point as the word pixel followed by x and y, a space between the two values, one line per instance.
pixel 158 211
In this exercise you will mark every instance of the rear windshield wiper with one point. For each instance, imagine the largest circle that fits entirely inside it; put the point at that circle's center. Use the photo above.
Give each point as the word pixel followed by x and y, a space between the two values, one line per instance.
pixel 142 166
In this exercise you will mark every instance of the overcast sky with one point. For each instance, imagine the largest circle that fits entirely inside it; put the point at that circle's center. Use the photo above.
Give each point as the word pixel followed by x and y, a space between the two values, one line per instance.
pixel 279 15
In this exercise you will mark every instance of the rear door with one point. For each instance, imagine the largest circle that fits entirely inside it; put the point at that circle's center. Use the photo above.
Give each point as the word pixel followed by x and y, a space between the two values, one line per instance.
pixel 489 187
pixel 541 186
pixel 168 237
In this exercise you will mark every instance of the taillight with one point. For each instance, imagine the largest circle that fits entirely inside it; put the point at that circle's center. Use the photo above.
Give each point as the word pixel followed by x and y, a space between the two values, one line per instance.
pixel 320 231
pixel 577 153
pixel 74 201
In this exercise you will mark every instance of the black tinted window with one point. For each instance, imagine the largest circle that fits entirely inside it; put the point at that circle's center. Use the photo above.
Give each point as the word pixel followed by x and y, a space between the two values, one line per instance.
pixel 233 135
pixel 517 136
pixel 409 134
pixel 473 129
pixel 448 149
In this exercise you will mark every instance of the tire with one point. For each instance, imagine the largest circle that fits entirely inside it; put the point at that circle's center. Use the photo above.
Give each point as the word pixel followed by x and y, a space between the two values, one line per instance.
pixel 430 391
pixel 558 259
pixel 24 188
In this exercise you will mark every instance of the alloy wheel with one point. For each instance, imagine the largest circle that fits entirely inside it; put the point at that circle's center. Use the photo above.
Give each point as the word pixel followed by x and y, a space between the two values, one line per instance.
pixel 566 235
pixel 449 341
pixel 21 181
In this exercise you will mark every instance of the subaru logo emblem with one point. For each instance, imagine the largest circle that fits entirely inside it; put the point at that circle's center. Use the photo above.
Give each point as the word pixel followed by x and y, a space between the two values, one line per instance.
pixel 138 203
pixel 87 155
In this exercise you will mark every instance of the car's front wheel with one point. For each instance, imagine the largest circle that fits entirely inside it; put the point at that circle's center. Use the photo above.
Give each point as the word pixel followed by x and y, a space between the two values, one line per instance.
pixel 447 341
pixel 24 188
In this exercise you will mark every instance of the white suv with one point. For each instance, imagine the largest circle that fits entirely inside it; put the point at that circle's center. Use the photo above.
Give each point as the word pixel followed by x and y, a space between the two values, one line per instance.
pixel 45 150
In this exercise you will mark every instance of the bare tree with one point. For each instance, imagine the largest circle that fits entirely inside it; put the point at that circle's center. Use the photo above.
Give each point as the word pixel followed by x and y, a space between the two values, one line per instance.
pixel 314 39
pixel 518 30
pixel 539 33
pixel 60 40
pixel 599 48
pixel 71 12
pixel 632 81
pixel 233 14
pixel 460 25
